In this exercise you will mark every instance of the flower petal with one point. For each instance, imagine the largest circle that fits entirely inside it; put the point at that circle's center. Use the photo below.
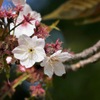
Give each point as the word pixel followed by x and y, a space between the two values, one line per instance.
pixel 56 53
pixel 27 9
pixel 27 29
pixel 43 63
pixel 59 69
pixel 36 16
pixel 19 2
pixel 29 62
pixel 24 40
pixel 40 43
pixel 48 68
pixel 64 56
pixel 20 52
pixel 40 54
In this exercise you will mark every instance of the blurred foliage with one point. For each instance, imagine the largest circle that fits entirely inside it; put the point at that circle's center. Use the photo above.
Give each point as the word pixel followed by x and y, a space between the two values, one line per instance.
pixel 75 9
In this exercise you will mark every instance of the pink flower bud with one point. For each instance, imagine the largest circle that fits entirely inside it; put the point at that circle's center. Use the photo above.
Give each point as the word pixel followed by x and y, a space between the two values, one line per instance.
pixel 37 23
pixel 22 68
pixel 37 90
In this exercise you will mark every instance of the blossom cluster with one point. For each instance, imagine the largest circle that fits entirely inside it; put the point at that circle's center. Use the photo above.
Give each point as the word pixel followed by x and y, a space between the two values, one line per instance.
pixel 22 42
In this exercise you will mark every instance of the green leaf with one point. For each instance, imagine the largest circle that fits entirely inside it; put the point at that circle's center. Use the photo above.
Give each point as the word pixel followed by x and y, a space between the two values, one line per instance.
pixel 54 25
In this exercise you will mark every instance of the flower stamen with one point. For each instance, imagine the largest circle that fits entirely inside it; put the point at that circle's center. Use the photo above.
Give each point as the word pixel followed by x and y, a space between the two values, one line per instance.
pixel 31 50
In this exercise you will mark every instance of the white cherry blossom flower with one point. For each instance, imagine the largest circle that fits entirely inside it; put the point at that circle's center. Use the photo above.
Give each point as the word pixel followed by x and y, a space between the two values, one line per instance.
pixel 53 64
pixel 29 51
pixel 26 28
pixel 19 2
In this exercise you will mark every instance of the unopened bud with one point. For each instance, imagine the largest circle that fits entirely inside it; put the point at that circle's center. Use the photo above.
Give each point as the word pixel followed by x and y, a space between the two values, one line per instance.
pixel 22 68
pixel 8 59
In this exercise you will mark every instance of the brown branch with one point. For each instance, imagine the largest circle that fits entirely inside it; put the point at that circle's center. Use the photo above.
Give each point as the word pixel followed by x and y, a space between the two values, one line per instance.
pixel 86 53
pixel 82 63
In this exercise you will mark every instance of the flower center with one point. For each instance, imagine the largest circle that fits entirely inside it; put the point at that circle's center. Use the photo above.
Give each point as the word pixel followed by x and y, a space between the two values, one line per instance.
pixel 53 60
pixel 31 50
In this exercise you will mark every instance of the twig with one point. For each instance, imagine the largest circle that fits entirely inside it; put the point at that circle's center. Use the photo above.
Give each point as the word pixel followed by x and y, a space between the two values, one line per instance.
pixel 82 63
pixel 15 27
pixel 86 53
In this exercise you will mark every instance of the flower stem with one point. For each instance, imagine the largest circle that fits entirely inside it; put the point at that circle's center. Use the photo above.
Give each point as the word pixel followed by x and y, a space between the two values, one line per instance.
pixel 14 84
pixel 15 27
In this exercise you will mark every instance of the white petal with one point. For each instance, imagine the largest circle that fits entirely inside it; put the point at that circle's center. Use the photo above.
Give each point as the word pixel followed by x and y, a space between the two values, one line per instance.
pixel 20 52
pixel 64 56
pixel 40 42
pixel 34 38
pixel 48 70
pixel 40 53
pixel 59 69
pixel 29 62
pixel 56 53
pixel 45 60
pixel 36 15
pixel 17 2
pixel 27 9
pixel 24 29
pixel 25 40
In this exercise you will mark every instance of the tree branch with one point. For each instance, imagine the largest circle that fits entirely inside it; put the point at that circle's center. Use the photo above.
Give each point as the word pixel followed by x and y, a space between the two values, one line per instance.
pixel 86 53
pixel 82 63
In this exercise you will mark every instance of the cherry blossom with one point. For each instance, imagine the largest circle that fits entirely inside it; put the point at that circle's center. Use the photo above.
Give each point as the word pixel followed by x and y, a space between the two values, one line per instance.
pixel 53 64
pixel 26 28
pixel 29 51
